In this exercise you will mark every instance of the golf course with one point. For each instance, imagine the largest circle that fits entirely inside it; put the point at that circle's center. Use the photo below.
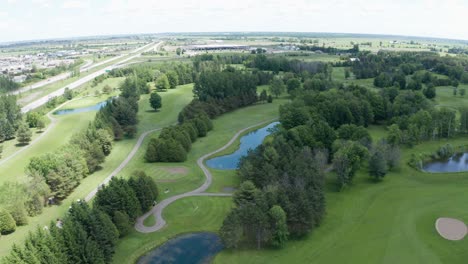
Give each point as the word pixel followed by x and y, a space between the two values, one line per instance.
pixel 361 158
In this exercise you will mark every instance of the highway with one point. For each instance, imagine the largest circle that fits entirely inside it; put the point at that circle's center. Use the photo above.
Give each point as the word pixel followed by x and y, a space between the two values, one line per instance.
pixel 121 63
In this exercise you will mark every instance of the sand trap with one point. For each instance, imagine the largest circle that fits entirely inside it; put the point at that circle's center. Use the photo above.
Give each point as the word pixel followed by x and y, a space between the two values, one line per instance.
pixel 176 170
pixel 450 228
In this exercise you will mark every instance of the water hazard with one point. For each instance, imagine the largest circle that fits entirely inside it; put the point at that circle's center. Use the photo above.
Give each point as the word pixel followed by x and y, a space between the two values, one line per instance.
pixel 195 248
pixel 95 107
pixel 456 163
pixel 249 141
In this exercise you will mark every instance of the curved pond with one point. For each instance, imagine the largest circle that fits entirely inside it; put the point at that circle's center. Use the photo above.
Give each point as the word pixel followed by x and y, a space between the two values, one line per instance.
pixel 456 163
pixel 95 107
pixel 193 248
pixel 249 141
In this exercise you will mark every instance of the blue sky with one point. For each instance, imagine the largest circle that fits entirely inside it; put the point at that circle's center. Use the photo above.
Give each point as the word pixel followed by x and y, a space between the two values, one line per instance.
pixel 42 19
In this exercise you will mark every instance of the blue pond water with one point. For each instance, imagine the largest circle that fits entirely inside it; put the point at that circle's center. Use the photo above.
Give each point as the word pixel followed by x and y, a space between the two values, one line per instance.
pixel 193 248
pixel 249 141
pixel 95 107
pixel 456 163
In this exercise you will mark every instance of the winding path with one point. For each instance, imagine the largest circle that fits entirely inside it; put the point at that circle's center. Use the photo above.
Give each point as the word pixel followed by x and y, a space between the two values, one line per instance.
pixel 53 123
pixel 123 164
pixel 200 191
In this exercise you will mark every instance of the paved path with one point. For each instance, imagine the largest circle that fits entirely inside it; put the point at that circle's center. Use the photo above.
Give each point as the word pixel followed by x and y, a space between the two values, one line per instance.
pixel 53 122
pixel 123 164
pixel 200 191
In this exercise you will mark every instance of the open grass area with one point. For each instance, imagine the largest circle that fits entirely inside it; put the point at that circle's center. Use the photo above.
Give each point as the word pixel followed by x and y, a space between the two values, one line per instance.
pixel 386 222
pixel 186 215
pixel 444 97
pixel 173 101
pixel 150 221
pixel 225 127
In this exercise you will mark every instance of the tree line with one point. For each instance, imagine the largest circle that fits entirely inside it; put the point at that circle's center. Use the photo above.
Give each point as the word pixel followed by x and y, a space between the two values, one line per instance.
pixel 216 92
pixel 89 234
pixel 7 84
pixel 54 175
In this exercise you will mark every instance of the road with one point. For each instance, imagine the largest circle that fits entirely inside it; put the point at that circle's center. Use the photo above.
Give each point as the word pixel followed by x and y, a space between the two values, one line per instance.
pixel 86 67
pixel 43 100
pixel 200 191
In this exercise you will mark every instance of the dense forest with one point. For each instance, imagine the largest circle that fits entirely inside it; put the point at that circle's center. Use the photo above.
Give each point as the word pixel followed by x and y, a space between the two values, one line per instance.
pixel 216 92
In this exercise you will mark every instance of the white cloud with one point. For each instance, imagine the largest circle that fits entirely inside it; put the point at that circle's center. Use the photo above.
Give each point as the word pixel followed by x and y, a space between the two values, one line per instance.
pixel 43 3
pixel 75 4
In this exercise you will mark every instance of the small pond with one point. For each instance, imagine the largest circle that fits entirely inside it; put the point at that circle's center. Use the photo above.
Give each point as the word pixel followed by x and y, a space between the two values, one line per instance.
pixel 195 248
pixel 95 107
pixel 456 163
pixel 249 141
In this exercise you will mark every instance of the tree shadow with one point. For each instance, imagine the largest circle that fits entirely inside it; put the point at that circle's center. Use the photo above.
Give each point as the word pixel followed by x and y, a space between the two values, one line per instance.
pixel 39 132
pixel 152 111
pixel 21 144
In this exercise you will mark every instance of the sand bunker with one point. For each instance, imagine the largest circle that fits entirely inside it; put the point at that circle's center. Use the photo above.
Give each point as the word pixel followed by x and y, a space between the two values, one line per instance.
pixel 176 170
pixel 450 228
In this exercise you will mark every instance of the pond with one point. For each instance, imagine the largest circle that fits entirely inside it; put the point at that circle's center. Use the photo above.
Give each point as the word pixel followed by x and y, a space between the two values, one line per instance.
pixel 95 107
pixel 456 163
pixel 249 141
pixel 195 248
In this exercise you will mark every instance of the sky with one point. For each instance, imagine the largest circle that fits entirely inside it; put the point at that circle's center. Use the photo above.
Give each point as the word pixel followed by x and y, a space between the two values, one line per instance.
pixel 45 19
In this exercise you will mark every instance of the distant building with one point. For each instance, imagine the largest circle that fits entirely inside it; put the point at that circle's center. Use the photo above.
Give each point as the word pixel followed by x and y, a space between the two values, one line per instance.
pixel 354 59
pixel 218 47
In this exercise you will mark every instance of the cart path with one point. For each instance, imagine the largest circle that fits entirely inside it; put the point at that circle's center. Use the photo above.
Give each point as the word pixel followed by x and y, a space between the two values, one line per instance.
pixel 53 123
pixel 200 191
pixel 123 164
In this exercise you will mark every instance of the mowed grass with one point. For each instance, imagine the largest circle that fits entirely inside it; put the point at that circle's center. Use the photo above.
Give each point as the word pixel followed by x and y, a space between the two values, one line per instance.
pixel 225 127
pixel 193 214
pixel 172 100
pixel 386 222
pixel 67 125
pixel 445 98
pixel 150 221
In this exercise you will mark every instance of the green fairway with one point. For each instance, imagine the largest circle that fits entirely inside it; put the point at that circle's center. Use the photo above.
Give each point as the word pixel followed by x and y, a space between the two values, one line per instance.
pixel 173 101
pixel 225 127
pixel 387 222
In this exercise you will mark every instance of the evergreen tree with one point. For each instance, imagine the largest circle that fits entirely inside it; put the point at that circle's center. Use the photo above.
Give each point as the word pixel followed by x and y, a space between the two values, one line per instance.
pixel 23 134
pixel 7 223
pixel 231 230
pixel 279 228
pixel 122 222
pixel 118 196
pixel 145 189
